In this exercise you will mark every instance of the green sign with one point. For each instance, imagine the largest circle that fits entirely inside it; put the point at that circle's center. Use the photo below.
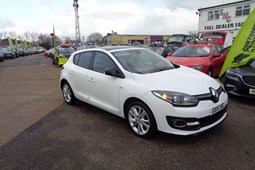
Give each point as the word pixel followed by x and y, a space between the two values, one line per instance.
pixel 243 48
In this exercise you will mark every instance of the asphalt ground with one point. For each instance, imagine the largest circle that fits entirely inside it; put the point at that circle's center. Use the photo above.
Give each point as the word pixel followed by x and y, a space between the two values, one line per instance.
pixel 46 133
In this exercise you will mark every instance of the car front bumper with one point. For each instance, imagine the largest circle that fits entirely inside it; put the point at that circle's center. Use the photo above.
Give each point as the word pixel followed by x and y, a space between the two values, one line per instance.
pixel 188 120
pixel 238 87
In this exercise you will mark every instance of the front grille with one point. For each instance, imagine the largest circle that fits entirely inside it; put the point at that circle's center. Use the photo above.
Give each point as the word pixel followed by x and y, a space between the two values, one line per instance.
pixel 208 96
pixel 250 80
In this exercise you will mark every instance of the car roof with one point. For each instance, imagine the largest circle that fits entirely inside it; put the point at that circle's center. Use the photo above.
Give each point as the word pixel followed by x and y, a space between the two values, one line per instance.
pixel 111 48
pixel 201 44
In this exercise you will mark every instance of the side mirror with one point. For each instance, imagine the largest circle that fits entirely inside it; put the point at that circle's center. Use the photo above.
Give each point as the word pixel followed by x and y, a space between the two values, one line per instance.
pixel 217 55
pixel 114 72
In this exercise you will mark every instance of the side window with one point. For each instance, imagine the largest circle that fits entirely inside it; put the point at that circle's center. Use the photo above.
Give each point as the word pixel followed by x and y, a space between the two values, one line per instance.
pixel 219 48
pixel 214 50
pixel 102 62
pixel 84 59
pixel 76 59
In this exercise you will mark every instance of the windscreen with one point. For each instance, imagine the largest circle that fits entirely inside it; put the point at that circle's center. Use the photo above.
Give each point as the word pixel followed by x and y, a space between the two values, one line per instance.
pixel 142 61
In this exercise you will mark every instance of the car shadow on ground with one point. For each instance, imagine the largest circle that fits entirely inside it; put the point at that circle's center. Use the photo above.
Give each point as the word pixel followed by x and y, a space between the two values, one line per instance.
pixel 161 137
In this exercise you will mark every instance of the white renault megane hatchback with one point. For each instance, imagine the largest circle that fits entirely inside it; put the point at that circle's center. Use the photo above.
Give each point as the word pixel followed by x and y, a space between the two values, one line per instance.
pixel 146 89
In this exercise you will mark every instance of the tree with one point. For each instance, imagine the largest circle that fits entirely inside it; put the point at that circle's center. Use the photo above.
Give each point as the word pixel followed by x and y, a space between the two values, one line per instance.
pixel 4 35
pixel 27 35
pixel 67 40
pixel 12 34
pixel 20 37
pixel 95 38
pixel 33 36
pixel 45 40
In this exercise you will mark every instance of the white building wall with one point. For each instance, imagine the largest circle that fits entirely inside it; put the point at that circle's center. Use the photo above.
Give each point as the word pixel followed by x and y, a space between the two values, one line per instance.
pixel 227 22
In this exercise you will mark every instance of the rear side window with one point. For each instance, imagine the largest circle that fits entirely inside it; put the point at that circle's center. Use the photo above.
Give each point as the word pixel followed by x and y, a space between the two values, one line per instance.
pixel 83 59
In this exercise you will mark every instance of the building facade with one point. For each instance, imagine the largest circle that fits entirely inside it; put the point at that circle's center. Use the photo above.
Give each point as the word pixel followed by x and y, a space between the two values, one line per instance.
pixel 115 38
pixel 225 18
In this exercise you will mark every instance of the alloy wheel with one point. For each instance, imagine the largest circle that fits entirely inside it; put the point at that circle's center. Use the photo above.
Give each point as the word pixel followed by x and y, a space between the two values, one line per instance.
pixel 67 93
pixel 139 120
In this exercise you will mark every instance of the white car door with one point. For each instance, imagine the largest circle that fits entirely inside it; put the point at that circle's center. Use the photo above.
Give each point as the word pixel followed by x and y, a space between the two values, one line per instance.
pixel 79 75
pixel 104 89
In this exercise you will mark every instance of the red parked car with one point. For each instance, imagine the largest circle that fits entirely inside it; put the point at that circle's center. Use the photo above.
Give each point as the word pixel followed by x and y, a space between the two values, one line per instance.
pixel 48 53
pixel 203 57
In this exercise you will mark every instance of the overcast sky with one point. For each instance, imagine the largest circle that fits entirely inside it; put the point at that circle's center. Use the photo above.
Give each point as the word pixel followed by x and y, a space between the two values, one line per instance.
pixel 159 17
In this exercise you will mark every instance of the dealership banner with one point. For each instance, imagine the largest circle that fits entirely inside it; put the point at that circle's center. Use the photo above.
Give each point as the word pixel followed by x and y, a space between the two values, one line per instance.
pixel 54 43
pixel 25 45
pixel 16 45
pixel 11 44
pixel 243 48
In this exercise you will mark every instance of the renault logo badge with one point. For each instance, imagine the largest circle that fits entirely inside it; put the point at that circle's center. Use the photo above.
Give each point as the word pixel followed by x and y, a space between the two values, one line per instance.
pixel 214 94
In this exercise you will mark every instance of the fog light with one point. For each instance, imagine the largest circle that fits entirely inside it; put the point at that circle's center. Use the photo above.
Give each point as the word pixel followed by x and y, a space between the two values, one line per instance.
pixel 179 123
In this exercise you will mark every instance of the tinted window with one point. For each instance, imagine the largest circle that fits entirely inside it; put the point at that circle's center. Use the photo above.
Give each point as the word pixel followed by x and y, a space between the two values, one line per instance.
pixel 84 59
pixel 76 59
pixel 219 48
pixel 215 50
pixel 102 62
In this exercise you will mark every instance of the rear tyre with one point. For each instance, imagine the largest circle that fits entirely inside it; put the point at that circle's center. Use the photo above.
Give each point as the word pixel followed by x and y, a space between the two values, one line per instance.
pixel 68 94
pixel 141 120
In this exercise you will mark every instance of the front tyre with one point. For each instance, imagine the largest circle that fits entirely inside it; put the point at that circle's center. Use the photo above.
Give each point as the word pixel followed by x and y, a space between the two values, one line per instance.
pixel 68 94
pixel 141 120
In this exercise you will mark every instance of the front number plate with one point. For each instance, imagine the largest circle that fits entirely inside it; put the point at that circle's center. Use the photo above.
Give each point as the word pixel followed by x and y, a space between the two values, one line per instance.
pixel 252 91
pixel 217 108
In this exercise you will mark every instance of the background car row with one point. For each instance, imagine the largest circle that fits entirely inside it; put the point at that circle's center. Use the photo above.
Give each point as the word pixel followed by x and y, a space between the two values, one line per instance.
pixel 7 52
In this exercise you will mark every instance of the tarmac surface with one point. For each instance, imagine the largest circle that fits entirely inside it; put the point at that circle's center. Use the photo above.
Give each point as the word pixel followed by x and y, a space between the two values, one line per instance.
pixel 39 131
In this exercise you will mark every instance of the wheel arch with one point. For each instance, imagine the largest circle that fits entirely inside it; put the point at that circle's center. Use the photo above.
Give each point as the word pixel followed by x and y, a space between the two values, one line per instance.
pixel 62 83
pixel 133 99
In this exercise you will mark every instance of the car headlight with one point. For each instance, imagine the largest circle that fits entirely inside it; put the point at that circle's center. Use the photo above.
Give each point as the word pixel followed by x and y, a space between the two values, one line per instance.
pixel 176 98
pixel 200 67
pixel 230 73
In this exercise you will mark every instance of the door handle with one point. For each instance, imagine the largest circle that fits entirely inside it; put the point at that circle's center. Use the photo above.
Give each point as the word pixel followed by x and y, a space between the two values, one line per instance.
pixel 91 79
